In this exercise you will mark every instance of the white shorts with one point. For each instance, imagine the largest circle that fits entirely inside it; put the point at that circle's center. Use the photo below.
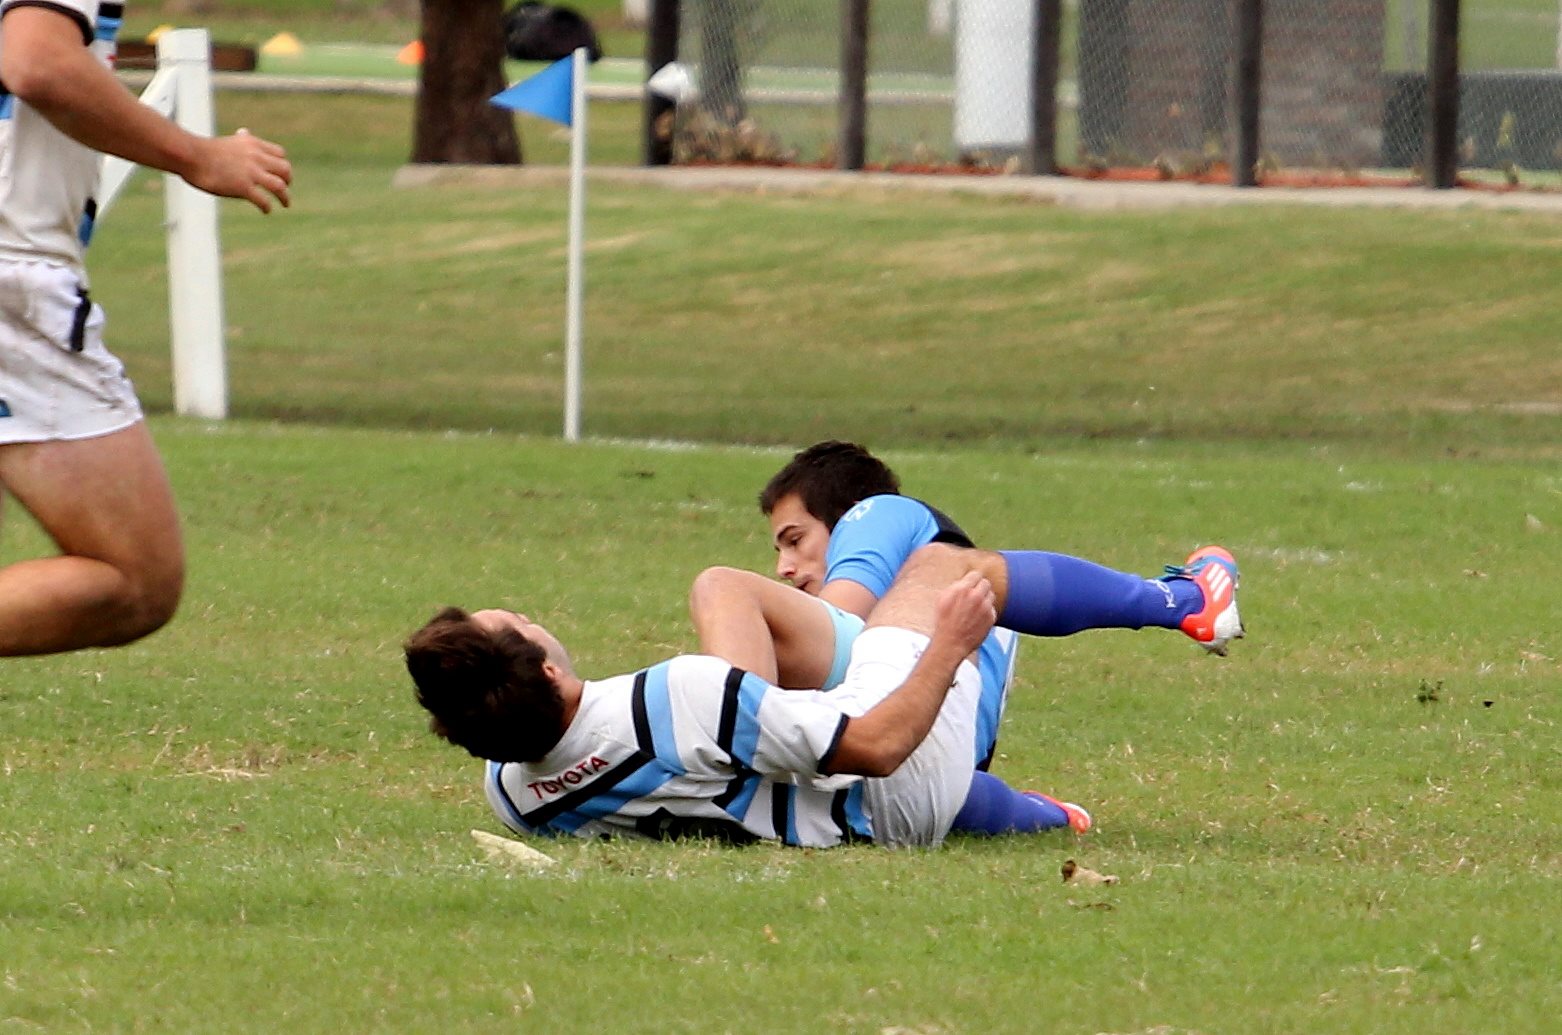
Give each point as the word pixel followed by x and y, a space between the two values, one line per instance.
pixel 915 804
pixel 57 380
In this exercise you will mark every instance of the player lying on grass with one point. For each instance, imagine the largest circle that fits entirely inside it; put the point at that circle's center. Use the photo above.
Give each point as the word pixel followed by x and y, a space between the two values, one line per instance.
pixel 842 531
pixel 696 746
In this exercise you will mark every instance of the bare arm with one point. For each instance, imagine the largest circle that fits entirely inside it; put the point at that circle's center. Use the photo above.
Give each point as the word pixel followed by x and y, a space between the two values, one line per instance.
pixel 48 68
pixel 877 742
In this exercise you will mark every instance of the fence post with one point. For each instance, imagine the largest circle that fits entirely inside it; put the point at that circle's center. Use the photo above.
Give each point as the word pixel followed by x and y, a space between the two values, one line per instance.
pixel 1247 80
pixel 851 150
pixel 194 252
pixel 661 49
pixel 1042 157
pixel 1442 88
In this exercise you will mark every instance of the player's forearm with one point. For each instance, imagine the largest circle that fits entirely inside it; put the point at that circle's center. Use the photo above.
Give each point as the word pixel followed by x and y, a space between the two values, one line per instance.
pixel 85 102
pixel 878 741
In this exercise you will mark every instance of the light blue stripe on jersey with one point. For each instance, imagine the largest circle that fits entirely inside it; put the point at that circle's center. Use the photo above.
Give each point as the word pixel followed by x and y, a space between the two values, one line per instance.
pixel 855 817
pixel 108 28
pixel 995 660
pixel 659 713
pixel 647 781
pixel 496 774
pixel 745 733
pixel 738 807
pixel 7 105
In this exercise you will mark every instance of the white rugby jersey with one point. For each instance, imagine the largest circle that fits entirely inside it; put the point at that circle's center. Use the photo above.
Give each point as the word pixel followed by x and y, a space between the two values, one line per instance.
pixel 47 180
pixel 690 746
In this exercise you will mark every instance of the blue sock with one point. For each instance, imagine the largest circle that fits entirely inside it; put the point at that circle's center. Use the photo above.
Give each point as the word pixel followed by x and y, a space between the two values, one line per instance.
pixel 1052 594
pixel 993 807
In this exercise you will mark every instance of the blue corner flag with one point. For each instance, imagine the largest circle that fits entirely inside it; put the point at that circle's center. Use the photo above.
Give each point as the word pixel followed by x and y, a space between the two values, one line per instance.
pixel 546 94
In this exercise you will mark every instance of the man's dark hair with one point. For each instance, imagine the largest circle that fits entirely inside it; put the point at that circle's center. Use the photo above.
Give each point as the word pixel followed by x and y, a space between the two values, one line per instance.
pixel 485 691
pixel 830 478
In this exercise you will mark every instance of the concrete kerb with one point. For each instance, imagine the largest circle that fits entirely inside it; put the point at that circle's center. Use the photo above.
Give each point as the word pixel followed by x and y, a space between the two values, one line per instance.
pixel 1062 191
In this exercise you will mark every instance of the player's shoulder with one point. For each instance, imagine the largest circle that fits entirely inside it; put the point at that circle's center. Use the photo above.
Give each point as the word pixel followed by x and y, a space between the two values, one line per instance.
pixel 885 507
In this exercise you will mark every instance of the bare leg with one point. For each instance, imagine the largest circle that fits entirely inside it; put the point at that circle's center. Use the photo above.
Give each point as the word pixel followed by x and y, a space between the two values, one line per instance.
pixel 780 634
pixel 107 504
pixel 910 602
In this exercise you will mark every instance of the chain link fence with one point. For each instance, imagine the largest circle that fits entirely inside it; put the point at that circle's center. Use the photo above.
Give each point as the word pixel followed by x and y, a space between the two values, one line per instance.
pixel 1143 83
pixel 948 80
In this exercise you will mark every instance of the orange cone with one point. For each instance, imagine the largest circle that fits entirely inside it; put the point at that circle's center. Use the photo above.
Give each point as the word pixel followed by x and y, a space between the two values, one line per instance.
pixel 411 54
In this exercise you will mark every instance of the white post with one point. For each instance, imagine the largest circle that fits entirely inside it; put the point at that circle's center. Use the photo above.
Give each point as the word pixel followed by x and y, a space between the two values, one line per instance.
pixel 194 252
pixel 577 231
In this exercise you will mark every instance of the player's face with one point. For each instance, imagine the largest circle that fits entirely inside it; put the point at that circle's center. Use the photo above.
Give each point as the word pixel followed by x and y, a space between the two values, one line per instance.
pixel 496 620
pixel 801 541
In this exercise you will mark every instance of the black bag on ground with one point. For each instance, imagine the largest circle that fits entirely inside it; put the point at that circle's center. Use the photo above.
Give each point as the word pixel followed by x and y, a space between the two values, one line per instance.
pixel 535 31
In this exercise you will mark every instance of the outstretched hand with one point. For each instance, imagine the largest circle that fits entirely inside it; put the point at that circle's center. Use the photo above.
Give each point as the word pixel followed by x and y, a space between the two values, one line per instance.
pixel 965 611
pixel 244 166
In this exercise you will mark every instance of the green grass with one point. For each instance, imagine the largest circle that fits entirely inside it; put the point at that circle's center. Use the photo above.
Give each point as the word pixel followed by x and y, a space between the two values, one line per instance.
pixel 240 824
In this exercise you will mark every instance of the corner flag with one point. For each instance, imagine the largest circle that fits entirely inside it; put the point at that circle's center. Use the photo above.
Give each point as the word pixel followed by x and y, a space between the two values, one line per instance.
pixel 548 93
pixel 558 92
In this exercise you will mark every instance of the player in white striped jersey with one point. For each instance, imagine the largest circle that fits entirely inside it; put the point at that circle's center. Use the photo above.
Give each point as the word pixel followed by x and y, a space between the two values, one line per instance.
pixel 694 745
pixel 73 447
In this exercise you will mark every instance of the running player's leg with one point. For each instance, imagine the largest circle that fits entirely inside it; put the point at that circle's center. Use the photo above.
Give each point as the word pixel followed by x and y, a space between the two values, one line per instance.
pixel 107 504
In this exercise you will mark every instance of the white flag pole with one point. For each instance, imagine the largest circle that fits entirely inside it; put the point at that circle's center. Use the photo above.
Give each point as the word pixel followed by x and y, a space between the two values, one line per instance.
pixel 577 225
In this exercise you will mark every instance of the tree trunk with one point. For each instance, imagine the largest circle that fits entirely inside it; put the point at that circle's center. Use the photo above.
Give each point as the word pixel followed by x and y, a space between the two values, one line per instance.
pixel 463 66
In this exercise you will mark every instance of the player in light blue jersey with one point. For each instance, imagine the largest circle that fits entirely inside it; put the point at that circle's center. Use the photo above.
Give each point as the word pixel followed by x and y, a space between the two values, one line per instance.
pixel 695 745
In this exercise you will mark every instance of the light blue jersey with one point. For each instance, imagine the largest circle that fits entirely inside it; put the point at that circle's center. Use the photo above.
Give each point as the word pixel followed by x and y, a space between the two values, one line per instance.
pixel 869 546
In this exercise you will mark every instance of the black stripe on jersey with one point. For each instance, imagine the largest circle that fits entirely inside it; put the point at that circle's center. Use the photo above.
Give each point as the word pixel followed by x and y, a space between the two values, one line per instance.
pixel 780 800
pixel 829 753
pixel 664 826
pixel 109 10
pixel 727 728
pixel 83 303
pixel 734 788
pixel 606 782
pixel 948 531
pixel 642 719
pixel 838 813
pixel 69 12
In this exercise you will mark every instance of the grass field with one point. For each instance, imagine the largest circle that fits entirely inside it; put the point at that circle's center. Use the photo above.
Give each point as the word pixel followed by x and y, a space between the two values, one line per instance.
pixel 1351 825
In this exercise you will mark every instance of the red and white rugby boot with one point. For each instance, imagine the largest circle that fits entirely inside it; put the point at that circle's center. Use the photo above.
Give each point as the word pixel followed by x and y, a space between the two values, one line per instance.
pixel 1214 571
pixel 1078 819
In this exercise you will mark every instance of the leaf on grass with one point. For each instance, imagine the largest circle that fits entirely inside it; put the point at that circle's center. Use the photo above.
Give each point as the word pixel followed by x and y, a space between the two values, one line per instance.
pixel 1073 873
pixel 507 849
